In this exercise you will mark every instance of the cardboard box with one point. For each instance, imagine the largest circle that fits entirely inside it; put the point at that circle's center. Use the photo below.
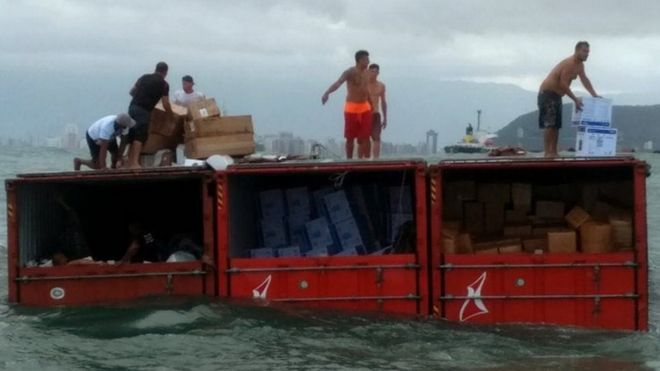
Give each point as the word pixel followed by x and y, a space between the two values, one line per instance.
pixel 454 194
pixel 219 126
pixel 494 193
pixel 595 112
pixel 595 142
pixel 273 233
pixel 297 234
pixel 319 203
pixel 622 231
pixel 337 206
pixel 298 201
pixel 449 245
pixel 232 145
pixel 165 124
pixel 515 216
pixel 271 204
pixel 552 210
pixel 490 250
pixel 473 216
pixel 203 109
pixel 596 237
pixel 494 218
pixel 576 217
pixel 513 248
pixel 562 242
pixel 155 142
pixel 518 230
pixel 542 231
pixel 521 196
pixel 534 244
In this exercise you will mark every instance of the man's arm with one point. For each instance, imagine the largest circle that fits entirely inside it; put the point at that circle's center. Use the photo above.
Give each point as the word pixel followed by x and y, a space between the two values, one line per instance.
pixel 334 86
pixel 134 88
pixel 167 105
pixel 123 142
pixel 565 86
pixel 383 105
pixel 586 82
pixel 103 154
pixel 130 252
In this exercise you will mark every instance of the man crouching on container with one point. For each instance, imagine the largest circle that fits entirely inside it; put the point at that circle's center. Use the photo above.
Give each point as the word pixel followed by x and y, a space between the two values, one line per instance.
pixel 357 109
pixel 102 138
pixel 555 86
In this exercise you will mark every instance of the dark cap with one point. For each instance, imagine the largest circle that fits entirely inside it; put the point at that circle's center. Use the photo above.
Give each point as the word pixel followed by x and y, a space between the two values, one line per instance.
pixel 188 78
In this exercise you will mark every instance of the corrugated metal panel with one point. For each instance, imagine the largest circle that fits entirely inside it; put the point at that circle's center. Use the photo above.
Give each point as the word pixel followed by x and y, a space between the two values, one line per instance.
pixel 39 221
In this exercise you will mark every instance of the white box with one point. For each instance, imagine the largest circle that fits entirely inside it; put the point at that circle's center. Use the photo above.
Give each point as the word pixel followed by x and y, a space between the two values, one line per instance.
pixel 593 141
pixel 297 200
pixel 319 234
pixel 349 235
pixel 348 252
pixel 262 253
pixel 272 204
pixel 289 252
pixel 595 112
pixel 337 206
pixel 273 232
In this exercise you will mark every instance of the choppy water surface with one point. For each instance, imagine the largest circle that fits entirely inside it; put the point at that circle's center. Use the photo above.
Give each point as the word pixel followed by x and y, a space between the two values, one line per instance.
pixel 205 334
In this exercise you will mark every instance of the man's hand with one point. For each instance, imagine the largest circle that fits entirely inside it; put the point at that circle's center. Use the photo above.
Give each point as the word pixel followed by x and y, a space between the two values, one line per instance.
pixel 578 104
pixel 384 124
pixel 324 98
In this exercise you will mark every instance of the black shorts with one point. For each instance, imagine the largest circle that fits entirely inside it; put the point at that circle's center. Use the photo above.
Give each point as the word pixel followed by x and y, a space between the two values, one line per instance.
pixel 550 110
pixel 140 131
pixel 94 148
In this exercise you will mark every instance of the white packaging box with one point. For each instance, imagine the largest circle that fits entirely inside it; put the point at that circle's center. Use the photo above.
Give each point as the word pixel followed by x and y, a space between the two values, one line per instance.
pixel 289 252
pixel 317 252
pixel 592 141
pixel 337 206
pixel 349 235
pixel 319 234
pixel 272 204
pixel 348 252
pixel 319 204
pixel 262 253
pixel 297 201
pixel 595 112
pixel 273 232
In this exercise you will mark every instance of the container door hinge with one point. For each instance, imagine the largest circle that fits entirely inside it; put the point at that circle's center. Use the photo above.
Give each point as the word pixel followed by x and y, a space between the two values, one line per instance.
pixel 379 276
pixel 169 285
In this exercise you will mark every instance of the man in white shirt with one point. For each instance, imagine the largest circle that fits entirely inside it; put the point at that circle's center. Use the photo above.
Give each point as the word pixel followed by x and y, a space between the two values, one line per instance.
pixel 102 138
pixel 187 96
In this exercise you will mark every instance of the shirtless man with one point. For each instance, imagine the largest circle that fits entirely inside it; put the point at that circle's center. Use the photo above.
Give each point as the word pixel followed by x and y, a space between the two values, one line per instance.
pixel 357 110
pixel 378 104
pixel 555 86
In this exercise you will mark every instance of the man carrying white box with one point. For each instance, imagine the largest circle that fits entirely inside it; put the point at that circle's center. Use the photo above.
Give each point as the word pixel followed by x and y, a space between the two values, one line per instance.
pixel 555 86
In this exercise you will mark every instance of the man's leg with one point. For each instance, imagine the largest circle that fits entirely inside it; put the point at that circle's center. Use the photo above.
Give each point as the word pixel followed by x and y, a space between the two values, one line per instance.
pixel 363 148
pixel 349 147
pixel 77 162
pixel 134 154
pixel 555 139
pixel 547 142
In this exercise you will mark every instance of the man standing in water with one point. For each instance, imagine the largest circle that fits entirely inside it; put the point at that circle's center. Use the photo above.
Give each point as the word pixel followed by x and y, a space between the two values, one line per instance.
pixel 357 110
pixel 146 93
pixel 378 105
pixel 555 86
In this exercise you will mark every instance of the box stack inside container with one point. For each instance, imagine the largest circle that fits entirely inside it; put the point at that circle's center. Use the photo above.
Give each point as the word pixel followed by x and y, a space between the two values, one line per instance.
pixel 537 211
pixel 321 214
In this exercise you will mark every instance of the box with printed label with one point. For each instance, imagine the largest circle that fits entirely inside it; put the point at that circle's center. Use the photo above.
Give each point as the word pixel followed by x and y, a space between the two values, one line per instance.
pixel 349 235
pixel 231 145
pixel 319 234
pixel 337 206
pixel 271 204
pixel 592 141
pixel 203 109
pixel 289 252
pixel 165 124
pixel 273 233
pixel 595 112
pixel 219 126
pixel 297 201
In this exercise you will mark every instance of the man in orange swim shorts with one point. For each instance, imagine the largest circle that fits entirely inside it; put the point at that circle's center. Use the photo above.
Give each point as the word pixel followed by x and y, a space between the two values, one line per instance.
pixel 357 110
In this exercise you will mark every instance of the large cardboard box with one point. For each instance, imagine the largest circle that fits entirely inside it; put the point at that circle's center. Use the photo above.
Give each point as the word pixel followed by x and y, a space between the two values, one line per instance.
pixel 165 124
pixel 273 232
pixel 595 112
pixel 298 201
pixel 320 236
pixel 232 145
pixel 219 126
pixel 596 237
pixel 458 244
pixel 511 248
pixel 271 204
pixel 349 235
pixel 337 206
pixel 518 230
pixel 521 196
pixel 473 216
pixel 155 142
pixel 535 244
pixel 454 194
pixel 203 109
pixel 595 142
pixel 493 217
pixel 576 217
pixel 494 193
pixel 562 242
pixel 515 216
pixel 552 210
pixel 622 231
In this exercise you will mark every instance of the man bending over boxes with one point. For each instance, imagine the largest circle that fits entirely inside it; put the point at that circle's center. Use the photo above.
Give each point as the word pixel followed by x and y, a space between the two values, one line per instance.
pixel 555 86
pixel 102 138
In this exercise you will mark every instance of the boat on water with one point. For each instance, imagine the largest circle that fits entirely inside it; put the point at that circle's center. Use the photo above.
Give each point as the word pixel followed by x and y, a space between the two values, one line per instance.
pixel 473 142
pixel 485 241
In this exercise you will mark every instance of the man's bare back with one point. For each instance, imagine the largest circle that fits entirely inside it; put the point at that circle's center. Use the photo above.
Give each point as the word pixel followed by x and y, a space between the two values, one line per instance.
pixel 376 90
pixel 568 68
pixel 357 85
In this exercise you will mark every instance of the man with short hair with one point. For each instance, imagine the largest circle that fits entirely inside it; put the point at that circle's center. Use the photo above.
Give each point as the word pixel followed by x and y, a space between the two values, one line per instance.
pixel 187 96
pixel 555 86
pixel 102 138
pixel 357 109
pixel 378 108
pixel 147 91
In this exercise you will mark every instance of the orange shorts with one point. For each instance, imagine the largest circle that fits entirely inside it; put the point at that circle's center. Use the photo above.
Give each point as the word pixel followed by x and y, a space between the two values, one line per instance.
pixel 357 120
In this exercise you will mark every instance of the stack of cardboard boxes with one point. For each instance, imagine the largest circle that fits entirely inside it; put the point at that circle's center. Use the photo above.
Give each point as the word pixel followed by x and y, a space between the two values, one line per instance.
pixel 595 136
pixel 298 222
pixel 203 130
pixel 491 223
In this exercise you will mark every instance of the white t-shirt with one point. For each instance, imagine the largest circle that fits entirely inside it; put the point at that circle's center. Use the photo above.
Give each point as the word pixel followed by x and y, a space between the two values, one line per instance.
pixel 182 98
pixel 104 129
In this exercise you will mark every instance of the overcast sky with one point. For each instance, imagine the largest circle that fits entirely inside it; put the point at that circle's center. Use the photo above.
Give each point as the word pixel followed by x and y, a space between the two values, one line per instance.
pixel 276 45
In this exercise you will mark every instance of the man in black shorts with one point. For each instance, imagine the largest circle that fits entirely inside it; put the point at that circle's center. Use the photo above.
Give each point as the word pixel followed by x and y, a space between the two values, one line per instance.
pixel 102 138
pixel 146 93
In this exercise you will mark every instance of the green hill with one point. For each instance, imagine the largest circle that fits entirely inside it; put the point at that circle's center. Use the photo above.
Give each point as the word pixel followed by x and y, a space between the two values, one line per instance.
pixel 636 125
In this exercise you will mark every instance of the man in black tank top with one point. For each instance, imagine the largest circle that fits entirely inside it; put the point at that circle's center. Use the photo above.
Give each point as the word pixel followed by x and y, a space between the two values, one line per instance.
pixel 146 93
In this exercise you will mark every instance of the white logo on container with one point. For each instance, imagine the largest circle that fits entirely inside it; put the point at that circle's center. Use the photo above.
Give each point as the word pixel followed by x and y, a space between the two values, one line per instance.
pixel 261 291
pixel 474 297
